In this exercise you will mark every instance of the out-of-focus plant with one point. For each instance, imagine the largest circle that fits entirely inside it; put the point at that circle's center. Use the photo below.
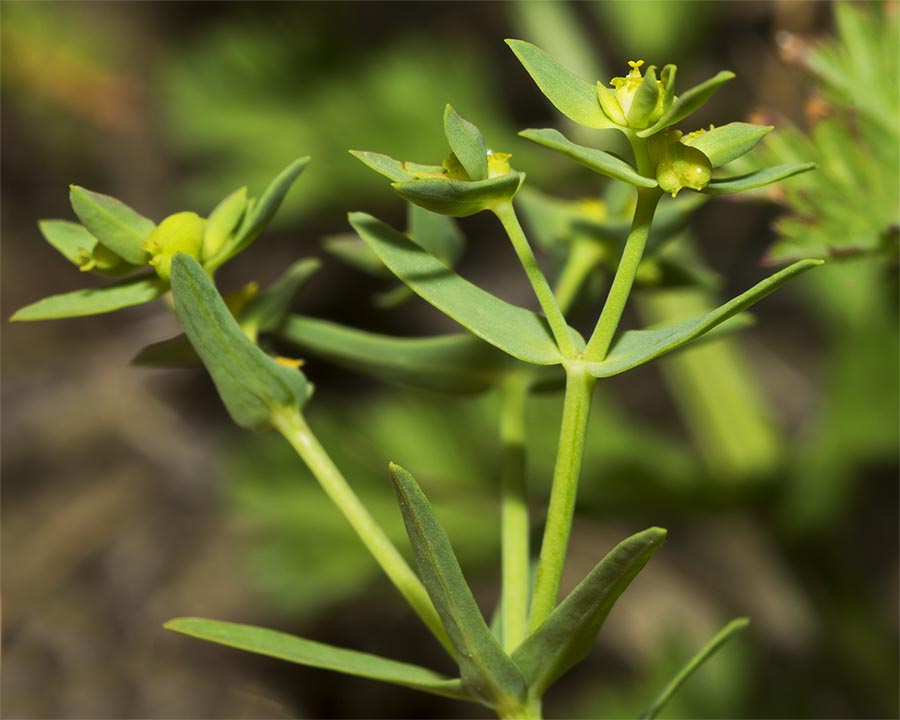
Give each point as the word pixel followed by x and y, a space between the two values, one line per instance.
pixel 534 639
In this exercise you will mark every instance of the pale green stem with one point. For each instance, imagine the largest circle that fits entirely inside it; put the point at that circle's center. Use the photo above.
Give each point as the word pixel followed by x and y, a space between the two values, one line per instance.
pixel 529 710
pixel 614 306
pixel 513 512
pixel 583 257
pixel 293 426
pixel 576 409
pixel 507 216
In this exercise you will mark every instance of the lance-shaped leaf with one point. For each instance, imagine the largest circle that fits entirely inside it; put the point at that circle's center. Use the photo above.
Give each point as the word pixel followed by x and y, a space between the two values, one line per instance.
pixel 94 301
pixel 467 143
pixel 252 385
pixel 728 142
pixel 515 330
pixel 726 186
pixel 455 364
pixel 690 102
pixel 460 198
pixel 635 347
pixel 708 650
pixel 318 655
pixel 223 221
pixel 573 97
pixel 269 310
pixel 597 160
pixel 487 672
pixel 113 223
pixel 567 636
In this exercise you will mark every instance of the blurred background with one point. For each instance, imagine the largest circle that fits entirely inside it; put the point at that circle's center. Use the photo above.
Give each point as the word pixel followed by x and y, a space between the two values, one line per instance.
pixel 129 497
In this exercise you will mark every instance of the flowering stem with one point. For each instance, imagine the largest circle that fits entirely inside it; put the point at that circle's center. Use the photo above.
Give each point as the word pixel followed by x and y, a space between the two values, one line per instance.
pixel 507 216
pixel 291 424
pixel 514 511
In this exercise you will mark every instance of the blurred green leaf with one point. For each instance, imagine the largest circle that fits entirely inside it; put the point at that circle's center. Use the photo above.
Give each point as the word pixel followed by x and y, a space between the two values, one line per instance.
pixel 270 308
pixel 597 160
pixel 687 104
pixel 487 672
pixel 252 385
pixel 174 352
pixel 94 301
pixel 567 636
pixel 726 186
pixel 436 233
pixel 467 143
pixel 635 347
pixel 113 223
pixel 728 142
pixel 515 330
pixel 313 654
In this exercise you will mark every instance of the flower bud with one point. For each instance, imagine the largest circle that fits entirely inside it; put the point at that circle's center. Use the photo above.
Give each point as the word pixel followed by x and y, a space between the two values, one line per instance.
pixel 683 166
pixel 638 101
pixel 181 232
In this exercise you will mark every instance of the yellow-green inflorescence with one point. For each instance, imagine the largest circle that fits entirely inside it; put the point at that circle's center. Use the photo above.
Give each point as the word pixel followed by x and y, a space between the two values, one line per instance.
pixel 678 165
pixel 637 101
pixel 498 164
pixel 181 232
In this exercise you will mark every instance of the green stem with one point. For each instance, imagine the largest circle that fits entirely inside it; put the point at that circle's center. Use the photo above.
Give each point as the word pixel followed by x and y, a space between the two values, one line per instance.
pixel 513 512
pixel 614 306
pixel 507 216
pixel 583 257
pixel 576 409
pixel 293 426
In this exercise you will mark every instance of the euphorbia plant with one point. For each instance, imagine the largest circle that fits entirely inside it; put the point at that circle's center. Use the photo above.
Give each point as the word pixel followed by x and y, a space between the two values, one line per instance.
pixel 509 664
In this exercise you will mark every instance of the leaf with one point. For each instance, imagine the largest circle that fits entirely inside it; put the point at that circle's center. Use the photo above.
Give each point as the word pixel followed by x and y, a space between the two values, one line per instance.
pixel 313 654
pixel 396 170
pixel 438 234
pixel 567 636
pixel 174 352
pixel 728 142
pixel 708 650
pixel 460 198
pixel 270 309
pixel 251 384
pixel 726 186
pixel 223 221
pixel 597 160
pixel 94 301
pixel 68 238
pixel 113 223
pixel 573 97
pixel 690 102
pixel 517 331
pixel 487 672
pixel 635 347
pixel 467 143
pixel 354 252
pixel 455 364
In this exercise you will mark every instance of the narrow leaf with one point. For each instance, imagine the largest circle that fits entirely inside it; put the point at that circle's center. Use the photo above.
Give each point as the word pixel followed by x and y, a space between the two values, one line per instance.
pixel 251 384
pixel 438 234
pixel 487 672
pixel 223 221
pixel 573 97
pixel 94 301
pixel 313 654
pixel 174 352
pixel 353 251
pixel 635 347
pixel 270 309
pixel 728 142
pixel 68 238
pixel 467 143
pixel 396 170
pixel 113 223
pixel 708 650
pixel 460 198
pixel 597 160
pixel 726 186
pixel 567 636
pixel 690 102
pixel 456 364
pixel 517 331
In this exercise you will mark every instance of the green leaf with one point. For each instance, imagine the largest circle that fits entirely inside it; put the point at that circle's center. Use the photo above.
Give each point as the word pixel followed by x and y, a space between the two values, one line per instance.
pixel 354 252
pixel 223 221
pixel 455 364
pixel 436 233
pixel 726 186
pixel 728 142
pixel 251 384
pixel 690 102
pixel 174 352
pixel 313 654
pixel 94 301
pixel 396 170
pixel 517 331
pixel 635 347
pixel 467 143
pixel 597 160
pixel 567 636
pixel 573 97
pixel 270 309
pixel 708 650
pixel 113 223
pixel 487 672
pixel 68 238
pixel 460 198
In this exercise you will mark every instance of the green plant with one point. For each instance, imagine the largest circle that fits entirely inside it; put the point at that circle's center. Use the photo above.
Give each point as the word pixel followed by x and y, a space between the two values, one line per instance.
pixel 510 664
